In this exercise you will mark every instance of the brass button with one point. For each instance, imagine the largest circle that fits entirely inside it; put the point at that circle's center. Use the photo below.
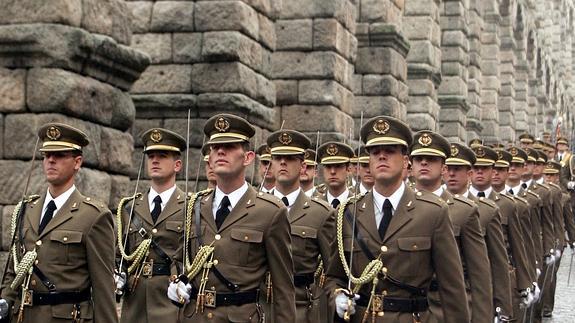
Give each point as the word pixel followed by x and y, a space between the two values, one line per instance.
pixel 33 282
pixel 36 262
pixel 246 238
pixel 154 230
pixel 65 239
pixel 39 242
pixel 384 293
pixel 414 246
pixel 88 199
pixel 179 227
pixel 218 237
pixel 215 262
pixel 210 315
pixel 303 233
pixel 384 270
pixel 383 249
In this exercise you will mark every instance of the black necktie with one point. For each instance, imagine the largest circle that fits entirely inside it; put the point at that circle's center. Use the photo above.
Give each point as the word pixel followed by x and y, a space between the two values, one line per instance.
pixel 560 157
pixel 386 219
pixel 48 215
pixel 335 203
pixel 157 208
pixel 223 211
pixel 511 191
pixel 481 194
pixel 524 185
pixel 285 200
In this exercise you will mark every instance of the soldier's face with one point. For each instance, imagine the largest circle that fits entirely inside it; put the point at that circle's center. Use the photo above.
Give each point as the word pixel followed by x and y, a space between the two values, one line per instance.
pixel 230 160
pixel 516 171
pixel 538 169
pixel 427 170
pixel 162 166
pixel 481 176
pixel 266 170
pixel 551 178
pixel 562 147
pixel 287 169
pixel 335 175
pixel 307 174
pixel 210 175
pixel 365 175
pixel 457 178
pixel 387 163
pixel 529 167
pixel 60 167
pixel 499 177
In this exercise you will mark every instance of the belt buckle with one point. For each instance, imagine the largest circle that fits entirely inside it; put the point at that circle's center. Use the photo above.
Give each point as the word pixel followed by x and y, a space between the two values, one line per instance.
pixel 210 298
pixel 148 268
pixel 377 303
pixel 28 297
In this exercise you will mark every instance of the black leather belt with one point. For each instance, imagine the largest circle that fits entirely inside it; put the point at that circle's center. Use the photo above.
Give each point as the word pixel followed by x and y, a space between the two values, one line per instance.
pixel 395 304
pixel 56 298
pixel 216 299
pixel 161 270
pixel 303 280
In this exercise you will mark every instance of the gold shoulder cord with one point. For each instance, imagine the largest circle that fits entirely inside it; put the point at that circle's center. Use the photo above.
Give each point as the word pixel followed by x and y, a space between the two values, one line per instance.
pixel 141 251
pixel 373 268
pixel 22 267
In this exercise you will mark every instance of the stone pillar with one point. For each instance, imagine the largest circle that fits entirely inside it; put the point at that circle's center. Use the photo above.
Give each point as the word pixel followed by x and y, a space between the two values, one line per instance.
pixel 490 70
pixel 312 66
pixel 507 62
pixel 381 69
pixel 474 82
pixel 421 27
pixel 66 61
pixel 454 62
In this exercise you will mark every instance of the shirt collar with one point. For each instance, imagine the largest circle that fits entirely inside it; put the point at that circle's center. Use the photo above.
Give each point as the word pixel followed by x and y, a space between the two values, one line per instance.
pixel 528 183
pixel 465 194
pixel 291 197
pixel 60 200
pixel 438 191
pixel 165 196
pixel 379 199
pixel 363 189
pixel 540 181
pixel 342 197
pixel 270 191
pixel 234 196
pixel 474 191
pixel 309 192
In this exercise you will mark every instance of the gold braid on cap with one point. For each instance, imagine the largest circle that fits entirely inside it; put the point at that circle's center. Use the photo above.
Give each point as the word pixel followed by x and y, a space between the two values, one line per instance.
pixel 23 266
pixel 141 251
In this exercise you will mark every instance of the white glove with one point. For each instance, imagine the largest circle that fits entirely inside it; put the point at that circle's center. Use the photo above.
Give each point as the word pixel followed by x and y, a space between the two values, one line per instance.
pixel 570 185
pixel 536 291
pixel 3 308
pixel 342 304
pixel 526 298
pixel 557 253
pixel 538 271
pixel 549 260
pixel 120 280
pixel 179 292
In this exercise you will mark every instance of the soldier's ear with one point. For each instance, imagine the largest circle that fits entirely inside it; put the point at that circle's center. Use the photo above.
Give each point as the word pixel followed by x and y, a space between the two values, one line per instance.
pixel 249 157
pixel 178 165
pixel 78 162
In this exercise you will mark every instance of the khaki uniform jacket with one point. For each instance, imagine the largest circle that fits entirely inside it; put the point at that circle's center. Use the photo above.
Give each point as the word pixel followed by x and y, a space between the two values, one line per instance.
pixel 254 239
pixel 464 217
pixel 567 170
pixel 536 205
pixel 312 231
pixel 548 234
pixel 524 211
pixel 513 234
pixel 420 244
pixel 146 300
pixel 568 217
pixel 558 220
pixel 490 220
pixel 75 252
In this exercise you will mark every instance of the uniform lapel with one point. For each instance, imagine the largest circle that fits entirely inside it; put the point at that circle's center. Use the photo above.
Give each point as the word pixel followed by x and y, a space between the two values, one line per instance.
pixel 206 211
pixel 299 208
pixel 241 208
pixel 174 205
pixel 366 216
pixel 65 213
pixel 142 209
pixel 402 215
pixel 35 209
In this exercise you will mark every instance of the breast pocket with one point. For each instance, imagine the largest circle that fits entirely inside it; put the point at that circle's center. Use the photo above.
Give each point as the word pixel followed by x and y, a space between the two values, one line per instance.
pixel 247 249
pixel 175 235
pixel 303 240
pixel 417 251
pixel 67 245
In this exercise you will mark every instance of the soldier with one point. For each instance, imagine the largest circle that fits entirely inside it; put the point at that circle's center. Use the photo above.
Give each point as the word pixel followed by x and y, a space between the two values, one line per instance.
pixel 335 158
pixel 406 238
pixel 526 140
pixel 475 142
pixel 457 178
pixel 265 171
pixel 428 153
pixel 563 153
pixel 481 187
pixel 210 176
pixel 309 173
pixel 155 230
pixel 64 245
pixel 312 224
pixel 235 236
pixel 366 179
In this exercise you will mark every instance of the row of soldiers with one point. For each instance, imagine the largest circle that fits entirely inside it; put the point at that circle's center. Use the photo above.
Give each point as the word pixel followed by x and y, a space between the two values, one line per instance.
pixel 405 228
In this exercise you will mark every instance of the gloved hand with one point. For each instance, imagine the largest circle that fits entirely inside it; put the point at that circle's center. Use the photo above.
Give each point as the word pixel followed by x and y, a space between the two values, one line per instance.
pixel 570 185
pixel 342 304
pixel 526 298
pixel 120 280
pixel 4 310
pixel 179 293
pixel 557 253
pixel 536 292
pixel 549 259
pixel 538 271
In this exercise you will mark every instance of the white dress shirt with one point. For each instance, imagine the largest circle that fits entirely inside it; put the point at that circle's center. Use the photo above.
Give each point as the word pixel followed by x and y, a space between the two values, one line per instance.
pixel 474 191
pixel 291 197
pixel 309 192
pixel 234 197
pixel 342 197
pixel 165 196
pixel 379 199
pixel 363 189
pixel 59 201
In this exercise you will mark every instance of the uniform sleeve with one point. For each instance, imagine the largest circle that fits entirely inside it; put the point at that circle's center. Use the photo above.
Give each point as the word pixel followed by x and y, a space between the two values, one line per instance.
pixel 527 232
pixel 569 221
pixel 558 223
pixel 448 268
pixel 518 251
pixel 8 293
pixel 475 253
pixel 100 255
pixel 280 262
pixel 499 265
pixel 326 236
pixel 547 225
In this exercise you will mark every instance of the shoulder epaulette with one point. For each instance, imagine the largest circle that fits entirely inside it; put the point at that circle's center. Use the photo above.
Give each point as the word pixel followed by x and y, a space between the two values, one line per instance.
pixel 488 202
pixel 464 200
pixel 31 198
pixel 270 198
pixel 100 206
pixel 555 185
pixel 507 197
pixel 430 198
pixel 519 198
pixel 321 202
pixel 533 193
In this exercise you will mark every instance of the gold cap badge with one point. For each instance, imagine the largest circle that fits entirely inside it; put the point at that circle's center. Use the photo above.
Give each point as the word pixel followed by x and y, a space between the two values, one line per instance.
pixel 285 138
pixel 381 127
pixel 53 133
pixel 454 151
pixel 425 140
pixel 332 150
pixel 156 136
pixel 222 125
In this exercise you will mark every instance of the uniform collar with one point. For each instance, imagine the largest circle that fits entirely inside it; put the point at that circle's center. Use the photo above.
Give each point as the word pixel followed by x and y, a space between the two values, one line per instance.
pixel 165 196
pixel 291 197
pixel 474 191
pixel 540 181
pixel 342 197
pixel 394 198
pixel 363 189
pixel 528 183
pixel 234 196
pixel 309 192
pixel 60 200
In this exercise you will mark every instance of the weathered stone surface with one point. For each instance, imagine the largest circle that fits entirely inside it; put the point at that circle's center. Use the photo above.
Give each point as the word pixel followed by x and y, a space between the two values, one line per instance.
pixel 66 12
pixel 381 60
pixel 55 90
pixel 232 46
pixel 187 47
pixel 324 92
pixel 294 34
pixel 197 137
pixel 267 32
pixel 226 15
pixel 238 104
pixel 1 136
pixel 165 79
pixel 329 34
pixel 120 187
pixel 6 237
pixel 140 15
pixel 95 184
pixel 12 90
pixel 232 77
pixel 380 85
pixel 70 48
pixel 115 151
pixel 312 118
pixel 286 92
pixel 164 105
pixel 173 16
pixel 300 65
pixel 372 106
pixel 343 10
pixel 107 17
pixel 158 46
